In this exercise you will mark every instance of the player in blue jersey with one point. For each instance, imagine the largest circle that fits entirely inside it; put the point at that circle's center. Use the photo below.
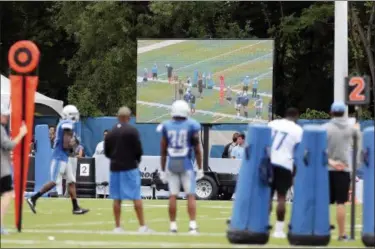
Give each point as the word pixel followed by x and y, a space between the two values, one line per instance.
pixel 187 95
pixel 237 105
pixel 245 104
pixel 180 137
pixel 59 163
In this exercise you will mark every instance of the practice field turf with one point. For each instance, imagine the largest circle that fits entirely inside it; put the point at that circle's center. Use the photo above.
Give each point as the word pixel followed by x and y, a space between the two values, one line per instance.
pixel 55 227
pixel 233 59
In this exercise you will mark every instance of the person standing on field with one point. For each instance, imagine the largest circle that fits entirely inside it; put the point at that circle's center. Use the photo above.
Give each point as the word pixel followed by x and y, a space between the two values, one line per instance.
pixel 340 133
pixel 7 145
pixel 286 135
pixel 123 147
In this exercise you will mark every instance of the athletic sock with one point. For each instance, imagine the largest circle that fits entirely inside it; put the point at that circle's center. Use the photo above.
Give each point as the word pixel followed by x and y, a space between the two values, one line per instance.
pixel 36 196
pixel 75 204
pixel 193 224
pixel 279 226
pixel 173 225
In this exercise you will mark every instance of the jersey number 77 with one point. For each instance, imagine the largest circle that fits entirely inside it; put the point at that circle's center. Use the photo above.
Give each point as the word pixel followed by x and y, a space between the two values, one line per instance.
pixel 278 139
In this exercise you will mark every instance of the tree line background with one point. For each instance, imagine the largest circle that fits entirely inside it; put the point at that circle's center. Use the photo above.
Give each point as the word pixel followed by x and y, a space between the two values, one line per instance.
pixel 88 49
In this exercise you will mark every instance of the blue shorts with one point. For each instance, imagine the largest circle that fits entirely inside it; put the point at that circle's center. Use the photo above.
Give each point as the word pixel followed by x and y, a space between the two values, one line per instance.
pixel 192 106
pixel 125 185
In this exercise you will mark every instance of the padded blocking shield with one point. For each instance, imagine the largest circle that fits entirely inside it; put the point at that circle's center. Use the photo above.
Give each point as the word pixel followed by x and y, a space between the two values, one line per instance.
pixel 368 228
pixel 310 211
pixel 250 219
pixel 43 157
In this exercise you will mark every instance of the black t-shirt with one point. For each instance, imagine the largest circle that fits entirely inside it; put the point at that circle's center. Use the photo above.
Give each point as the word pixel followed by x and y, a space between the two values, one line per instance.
pixel 123 147
pixel 192 99
pixel 169 69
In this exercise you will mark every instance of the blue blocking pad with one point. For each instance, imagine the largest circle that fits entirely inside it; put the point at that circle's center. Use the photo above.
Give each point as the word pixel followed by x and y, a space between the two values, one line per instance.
pixel 249 223
pixel 368 228
pixel 309 223
pixel 43 157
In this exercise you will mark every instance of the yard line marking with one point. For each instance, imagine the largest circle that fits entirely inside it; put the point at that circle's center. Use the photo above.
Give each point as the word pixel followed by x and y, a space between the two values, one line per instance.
pixel 258 77
pixel 154 119
pixel 216 88
pixel 102 232
pixel 140 243
pixel 241 64
pixel 158 45
pixel 218 119
pixel 215 57
pixel 250 120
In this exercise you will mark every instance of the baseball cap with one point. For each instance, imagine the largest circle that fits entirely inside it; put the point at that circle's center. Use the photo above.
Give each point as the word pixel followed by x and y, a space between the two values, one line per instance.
pixel 124 111
pixel 338 106
pixel 5 110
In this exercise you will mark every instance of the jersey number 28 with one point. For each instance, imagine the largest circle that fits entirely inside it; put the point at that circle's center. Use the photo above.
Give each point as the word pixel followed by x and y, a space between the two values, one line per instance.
pixel 177 139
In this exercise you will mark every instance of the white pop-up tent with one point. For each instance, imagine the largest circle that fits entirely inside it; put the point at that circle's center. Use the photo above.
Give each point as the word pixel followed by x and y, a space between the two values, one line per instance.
pixel 43 104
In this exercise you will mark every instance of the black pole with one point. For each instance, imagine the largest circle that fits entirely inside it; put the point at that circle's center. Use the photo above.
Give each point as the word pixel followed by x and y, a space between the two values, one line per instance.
pixel 353 180
pixel 19 225
pixel 206 146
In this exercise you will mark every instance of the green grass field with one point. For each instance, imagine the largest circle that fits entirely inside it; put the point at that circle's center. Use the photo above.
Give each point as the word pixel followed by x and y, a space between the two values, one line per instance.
pixel 55 227
pixel 234 59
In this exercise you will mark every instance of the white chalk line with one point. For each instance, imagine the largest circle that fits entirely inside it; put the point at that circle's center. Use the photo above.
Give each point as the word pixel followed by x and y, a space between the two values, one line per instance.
pixel 158 45
pixel 241 64
pixel 216 88
pixel 102 232
pixel 131 243
pixel 215 57
pixel 131 221
pixel 214 114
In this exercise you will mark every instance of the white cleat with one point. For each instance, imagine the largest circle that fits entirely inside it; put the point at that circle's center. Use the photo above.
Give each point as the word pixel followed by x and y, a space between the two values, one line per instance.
pixel 193 231
pixel 279 235
pixel 118 230
pixel 145 229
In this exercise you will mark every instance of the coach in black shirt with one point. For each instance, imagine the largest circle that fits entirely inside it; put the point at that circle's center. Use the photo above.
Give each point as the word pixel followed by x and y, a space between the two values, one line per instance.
pixel 123 147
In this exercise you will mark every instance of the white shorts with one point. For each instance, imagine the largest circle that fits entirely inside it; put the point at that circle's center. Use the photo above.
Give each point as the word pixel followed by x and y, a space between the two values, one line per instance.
pixel 186 179
pixel 60 169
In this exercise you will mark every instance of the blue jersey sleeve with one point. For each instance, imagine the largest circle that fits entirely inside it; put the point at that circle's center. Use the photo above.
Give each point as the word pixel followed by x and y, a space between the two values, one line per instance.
pixel 162 128
pixel 195 126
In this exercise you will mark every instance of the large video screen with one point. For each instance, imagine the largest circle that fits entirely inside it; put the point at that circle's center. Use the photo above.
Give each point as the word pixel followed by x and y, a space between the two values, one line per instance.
pixel 223 81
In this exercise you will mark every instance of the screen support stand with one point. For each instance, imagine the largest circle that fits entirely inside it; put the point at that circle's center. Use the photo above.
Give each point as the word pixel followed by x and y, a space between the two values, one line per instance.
pixel 206 146
pixel 353 180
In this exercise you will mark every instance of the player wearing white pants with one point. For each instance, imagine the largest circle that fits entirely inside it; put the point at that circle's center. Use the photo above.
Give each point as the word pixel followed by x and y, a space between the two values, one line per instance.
pixel 185 179
pixel 180 137
pixel 59 164
pixel 60 170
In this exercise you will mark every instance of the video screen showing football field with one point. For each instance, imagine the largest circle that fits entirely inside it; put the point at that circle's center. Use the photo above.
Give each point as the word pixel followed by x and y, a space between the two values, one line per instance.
pixel 223 81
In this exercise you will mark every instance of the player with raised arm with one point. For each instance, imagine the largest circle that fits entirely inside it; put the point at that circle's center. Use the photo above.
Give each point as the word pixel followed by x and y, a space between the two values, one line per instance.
pixel 59 163
pixel 286 134
pixel 180 137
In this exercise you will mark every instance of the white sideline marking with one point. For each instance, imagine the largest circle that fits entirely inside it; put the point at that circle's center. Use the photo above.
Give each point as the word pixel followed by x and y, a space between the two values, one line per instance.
pixel 158 45
pixel 154 119
pixel 218 114
pixel 258 77
pixel 101 232
pixel 241 64
pixel 140 243
pixel 215 57
pixel 128 243
pixel 139 78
